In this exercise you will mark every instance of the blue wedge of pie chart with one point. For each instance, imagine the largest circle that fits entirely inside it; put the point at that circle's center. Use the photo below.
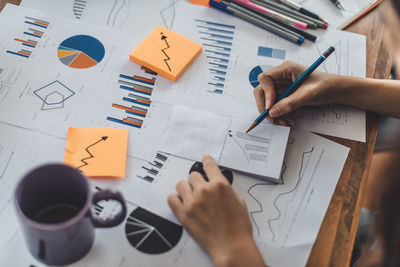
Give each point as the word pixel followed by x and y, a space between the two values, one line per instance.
pixel 257 70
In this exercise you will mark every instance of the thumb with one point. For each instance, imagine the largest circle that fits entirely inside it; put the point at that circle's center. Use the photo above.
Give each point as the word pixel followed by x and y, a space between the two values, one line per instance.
pixel 285 106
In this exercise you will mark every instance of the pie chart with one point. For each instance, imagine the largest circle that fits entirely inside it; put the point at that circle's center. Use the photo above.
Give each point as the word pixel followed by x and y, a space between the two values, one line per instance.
pixel 150 233
pixel 257 70
pixel 81 52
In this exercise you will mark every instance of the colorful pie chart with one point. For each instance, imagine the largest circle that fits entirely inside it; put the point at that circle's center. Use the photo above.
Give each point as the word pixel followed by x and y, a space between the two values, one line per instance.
pixel 81 52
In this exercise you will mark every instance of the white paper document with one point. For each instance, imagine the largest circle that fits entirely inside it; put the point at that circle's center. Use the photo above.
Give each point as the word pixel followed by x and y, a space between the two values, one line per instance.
pixel 192 133
pixel 287 217
pixel 223 77
pixel 331 14
pixel 234 53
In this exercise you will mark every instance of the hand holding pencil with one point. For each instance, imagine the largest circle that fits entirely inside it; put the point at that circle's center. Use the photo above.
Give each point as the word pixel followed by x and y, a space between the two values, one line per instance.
pixel 318 89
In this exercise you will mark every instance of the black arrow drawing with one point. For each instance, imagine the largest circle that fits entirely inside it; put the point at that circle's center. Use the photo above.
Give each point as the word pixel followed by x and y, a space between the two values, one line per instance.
pixel 104 138
pixel 163 37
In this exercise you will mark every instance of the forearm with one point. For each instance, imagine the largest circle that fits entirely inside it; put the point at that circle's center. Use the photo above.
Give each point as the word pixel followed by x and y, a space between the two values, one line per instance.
pixel 380 96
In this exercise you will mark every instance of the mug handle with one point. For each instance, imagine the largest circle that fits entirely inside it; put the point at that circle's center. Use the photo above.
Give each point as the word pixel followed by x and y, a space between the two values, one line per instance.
pixel 117 219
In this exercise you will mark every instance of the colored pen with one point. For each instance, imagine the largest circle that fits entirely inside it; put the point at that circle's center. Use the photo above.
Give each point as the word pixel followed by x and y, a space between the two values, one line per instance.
pixel 301 9
pixel 312 22
pixel 294 85
pixel 269 26
pixel 338 4
pixel 250 12
pixel 273 14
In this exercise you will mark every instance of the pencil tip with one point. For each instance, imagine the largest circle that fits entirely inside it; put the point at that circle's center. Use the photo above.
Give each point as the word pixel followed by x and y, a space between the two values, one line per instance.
pixel 254 124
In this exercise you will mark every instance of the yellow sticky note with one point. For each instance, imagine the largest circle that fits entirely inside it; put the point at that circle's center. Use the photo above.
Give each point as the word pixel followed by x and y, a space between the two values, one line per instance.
pixel 97 152
pixel 166 52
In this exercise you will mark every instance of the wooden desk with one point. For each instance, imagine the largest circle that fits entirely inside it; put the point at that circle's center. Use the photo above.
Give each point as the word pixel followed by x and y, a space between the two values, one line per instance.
pixel 336 237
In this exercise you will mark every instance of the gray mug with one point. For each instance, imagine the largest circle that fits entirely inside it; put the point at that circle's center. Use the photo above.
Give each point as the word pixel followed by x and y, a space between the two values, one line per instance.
pixel 53 204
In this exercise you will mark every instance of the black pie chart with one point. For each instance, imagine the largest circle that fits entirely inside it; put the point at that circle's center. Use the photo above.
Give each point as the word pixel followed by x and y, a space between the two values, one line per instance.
pixel 150 233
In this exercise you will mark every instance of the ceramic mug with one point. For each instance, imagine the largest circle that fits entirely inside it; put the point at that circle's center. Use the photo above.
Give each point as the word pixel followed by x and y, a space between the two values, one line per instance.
pixel 53 204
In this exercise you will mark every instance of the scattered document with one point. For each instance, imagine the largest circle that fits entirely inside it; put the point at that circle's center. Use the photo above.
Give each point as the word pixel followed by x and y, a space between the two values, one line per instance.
pixel 192 133
pixel 97 152
pixel 100 87
pixel 335 17
pixel 287 217
pixel 222 78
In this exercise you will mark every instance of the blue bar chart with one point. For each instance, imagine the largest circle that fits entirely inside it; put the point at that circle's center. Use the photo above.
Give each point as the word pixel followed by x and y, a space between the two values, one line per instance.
pixel 28 39
pixel 136 91
pixel 217 40
pixel 270 52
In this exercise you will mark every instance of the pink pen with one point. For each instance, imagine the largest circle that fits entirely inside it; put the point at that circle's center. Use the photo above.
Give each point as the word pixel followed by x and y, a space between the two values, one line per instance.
pixel 272 14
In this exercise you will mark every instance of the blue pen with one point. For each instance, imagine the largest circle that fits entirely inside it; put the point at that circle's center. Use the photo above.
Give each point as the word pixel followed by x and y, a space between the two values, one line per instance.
pixel 294 85
pixel 256 19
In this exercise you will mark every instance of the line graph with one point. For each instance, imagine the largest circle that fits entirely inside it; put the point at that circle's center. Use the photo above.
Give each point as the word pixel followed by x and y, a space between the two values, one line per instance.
pixel 164 38
pixel 304 164
pixel 260 206
pixel 104 138
pixel 168 14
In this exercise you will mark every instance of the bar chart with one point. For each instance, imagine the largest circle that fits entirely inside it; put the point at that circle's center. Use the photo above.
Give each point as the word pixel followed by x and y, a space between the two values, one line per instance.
pixel 79 8
pixel 270 52
pixel 32 32
pixel 136 91
pixel 152 169
pixel 217 40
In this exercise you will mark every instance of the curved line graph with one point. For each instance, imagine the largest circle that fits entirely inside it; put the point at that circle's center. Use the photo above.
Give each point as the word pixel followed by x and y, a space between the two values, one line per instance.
pixel 170 7
pixel 300 177
pixel 111 11
pixel 119 10
pixel 260 209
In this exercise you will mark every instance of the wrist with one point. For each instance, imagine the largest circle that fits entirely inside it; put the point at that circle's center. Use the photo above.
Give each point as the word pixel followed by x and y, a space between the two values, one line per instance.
pixel 243 252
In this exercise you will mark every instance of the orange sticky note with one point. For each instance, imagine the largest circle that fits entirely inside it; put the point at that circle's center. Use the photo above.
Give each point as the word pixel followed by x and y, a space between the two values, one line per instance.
pixel 166 52
pixel 200 2
pixel 97 152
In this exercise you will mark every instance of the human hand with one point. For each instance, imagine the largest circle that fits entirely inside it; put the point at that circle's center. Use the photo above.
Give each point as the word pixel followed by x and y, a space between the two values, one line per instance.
pixel 318 89
pixel 216 217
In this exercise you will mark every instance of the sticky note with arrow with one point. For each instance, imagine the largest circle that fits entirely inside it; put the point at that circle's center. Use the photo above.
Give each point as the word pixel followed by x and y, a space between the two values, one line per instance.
pixel 166 52
pixel 97 152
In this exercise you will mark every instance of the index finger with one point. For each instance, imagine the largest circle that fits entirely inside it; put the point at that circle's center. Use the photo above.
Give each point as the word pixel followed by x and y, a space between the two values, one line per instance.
pixel 267 82
pixel 212 170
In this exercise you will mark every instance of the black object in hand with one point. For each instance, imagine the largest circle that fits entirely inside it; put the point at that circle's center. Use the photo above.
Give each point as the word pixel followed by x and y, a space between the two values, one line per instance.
pixel 198 167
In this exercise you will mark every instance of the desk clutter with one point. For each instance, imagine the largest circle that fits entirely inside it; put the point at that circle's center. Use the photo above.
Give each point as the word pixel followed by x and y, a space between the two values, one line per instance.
pixel 70 93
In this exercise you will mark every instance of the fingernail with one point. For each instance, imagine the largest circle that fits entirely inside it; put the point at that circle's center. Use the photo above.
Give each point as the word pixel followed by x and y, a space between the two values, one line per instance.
pixel 274 113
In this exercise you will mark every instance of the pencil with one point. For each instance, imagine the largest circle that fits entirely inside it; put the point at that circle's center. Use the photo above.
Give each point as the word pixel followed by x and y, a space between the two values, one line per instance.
pixel 299 81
